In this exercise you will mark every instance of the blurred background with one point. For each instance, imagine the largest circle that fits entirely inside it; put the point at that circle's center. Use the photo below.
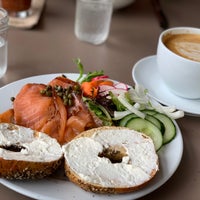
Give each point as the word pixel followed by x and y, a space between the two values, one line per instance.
pixel 50 46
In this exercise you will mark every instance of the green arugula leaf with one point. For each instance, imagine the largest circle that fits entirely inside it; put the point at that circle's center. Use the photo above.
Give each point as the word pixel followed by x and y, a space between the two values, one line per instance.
pixel 92 75
pixel 80 67
pixel 89 76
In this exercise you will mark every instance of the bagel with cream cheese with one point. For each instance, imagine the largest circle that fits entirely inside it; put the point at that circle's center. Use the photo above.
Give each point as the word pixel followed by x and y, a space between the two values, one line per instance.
pixel 110 160
pixel 27 154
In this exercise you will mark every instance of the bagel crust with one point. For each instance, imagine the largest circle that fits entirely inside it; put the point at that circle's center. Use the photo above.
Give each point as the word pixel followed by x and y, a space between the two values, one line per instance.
pixel 27 154
pixel 110 160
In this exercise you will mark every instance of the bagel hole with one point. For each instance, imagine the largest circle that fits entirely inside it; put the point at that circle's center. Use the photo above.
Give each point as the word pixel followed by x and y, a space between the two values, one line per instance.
pixel 12 147
pixel 114 153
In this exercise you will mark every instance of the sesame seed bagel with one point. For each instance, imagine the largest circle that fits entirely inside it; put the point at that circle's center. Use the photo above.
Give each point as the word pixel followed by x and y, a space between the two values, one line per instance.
pixel 110 160
pixel 27 154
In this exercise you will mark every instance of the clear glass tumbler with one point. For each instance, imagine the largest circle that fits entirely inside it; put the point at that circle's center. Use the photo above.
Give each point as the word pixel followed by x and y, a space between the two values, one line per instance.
pixel 92 20
pixel 3 41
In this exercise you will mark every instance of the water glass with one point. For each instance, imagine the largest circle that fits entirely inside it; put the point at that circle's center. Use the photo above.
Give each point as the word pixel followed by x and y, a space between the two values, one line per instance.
pixel 92 20
pixel 3 41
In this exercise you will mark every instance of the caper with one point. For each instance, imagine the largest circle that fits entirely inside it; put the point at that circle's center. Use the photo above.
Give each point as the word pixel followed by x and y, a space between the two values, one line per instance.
pixel 76 87
pixel 70 102
pixel 12 98
pixel 64 97
pixel 59 88
pixel 69 96
pixel 42 91
pixel 49 93
pixel 65 101
pixel 60 94
pixel 49 87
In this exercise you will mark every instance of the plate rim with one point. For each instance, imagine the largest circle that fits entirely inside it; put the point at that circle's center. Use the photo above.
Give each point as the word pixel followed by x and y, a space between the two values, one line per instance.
pixel 127 196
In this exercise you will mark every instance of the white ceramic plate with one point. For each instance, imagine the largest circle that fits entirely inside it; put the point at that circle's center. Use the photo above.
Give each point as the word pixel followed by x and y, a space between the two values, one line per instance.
pixel 145 73
pixel 54 189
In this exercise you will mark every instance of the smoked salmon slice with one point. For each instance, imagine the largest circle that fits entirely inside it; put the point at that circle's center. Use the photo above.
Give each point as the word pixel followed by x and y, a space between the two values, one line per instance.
pixel 79 116
pixel 48 112
pixel 39 112
pixel 7 116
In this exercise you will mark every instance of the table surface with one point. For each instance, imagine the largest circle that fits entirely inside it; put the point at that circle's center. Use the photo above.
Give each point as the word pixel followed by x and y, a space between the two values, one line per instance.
pixel 51 46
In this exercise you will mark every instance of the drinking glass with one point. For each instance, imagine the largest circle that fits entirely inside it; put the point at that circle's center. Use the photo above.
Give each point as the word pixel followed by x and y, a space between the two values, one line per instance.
pixel 3 41
pixel 17 8
pixel 92 20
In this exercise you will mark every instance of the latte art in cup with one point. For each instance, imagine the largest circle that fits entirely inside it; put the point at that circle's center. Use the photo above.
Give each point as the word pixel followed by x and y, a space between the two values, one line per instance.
pixel 185 45
pixel 178 61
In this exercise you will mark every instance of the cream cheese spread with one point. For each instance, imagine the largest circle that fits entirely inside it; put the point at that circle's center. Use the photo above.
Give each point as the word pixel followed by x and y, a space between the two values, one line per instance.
pixel 136 166
pixel 33 145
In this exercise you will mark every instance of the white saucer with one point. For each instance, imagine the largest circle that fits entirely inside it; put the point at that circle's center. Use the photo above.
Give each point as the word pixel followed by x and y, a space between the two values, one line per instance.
pixel 145 73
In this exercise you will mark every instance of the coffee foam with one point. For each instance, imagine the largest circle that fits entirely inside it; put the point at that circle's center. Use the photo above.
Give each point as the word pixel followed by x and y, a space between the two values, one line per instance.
pixel 188 50
pixel 185 45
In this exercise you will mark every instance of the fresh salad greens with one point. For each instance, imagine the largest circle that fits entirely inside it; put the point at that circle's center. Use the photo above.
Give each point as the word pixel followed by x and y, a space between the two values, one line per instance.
pixel 122 105
pixel 89 76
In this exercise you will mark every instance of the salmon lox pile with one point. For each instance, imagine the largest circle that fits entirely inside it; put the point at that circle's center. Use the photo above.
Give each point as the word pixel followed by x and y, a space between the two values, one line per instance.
pixel 56 109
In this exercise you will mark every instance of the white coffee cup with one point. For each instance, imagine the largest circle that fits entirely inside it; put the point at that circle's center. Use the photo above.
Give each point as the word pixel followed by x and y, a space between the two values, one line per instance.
pixel 180 71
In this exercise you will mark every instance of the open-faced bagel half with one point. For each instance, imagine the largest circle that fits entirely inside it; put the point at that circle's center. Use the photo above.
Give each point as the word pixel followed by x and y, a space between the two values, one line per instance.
pixel 27 154
pixel 110 160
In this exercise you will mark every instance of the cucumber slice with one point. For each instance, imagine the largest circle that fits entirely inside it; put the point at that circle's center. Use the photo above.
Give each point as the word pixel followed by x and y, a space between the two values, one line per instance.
pixel 170 129
pixel 125 119
pixel 156 122
pixel 153 120
pixel 148 128
pixel 149 112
